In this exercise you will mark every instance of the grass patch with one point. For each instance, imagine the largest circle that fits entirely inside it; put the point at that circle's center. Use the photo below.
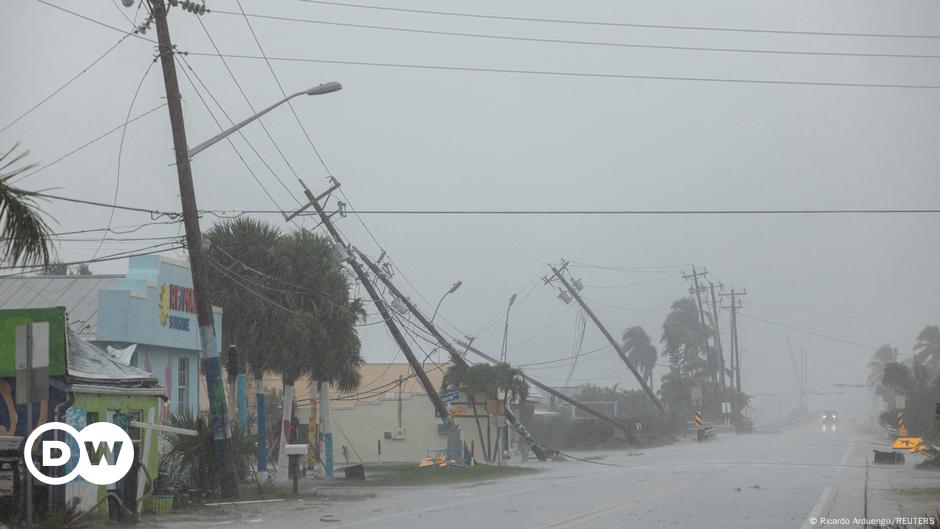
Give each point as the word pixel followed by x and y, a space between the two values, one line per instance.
pixel 408 474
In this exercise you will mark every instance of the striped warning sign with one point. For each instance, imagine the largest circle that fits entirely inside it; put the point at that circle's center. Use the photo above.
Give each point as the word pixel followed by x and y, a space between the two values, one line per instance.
pixel 698 420
pixel 902 428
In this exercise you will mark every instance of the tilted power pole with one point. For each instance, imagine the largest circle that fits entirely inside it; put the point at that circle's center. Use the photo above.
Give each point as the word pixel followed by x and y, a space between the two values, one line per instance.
pixel 454 355
pixel 717 327
pixel 616 345
pixel 383 311
pixel 701 310
pixel 211 364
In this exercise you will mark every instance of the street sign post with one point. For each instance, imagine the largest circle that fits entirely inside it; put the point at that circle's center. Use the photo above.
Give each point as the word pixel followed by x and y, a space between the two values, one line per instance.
pixel 900 401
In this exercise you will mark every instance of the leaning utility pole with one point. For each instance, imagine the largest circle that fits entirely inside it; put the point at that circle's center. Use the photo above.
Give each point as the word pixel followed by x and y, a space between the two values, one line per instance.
pixel 221 436
pixel 616 345
pixel 383 310
pixel 454 355
pixel 736 355
pixel 701 311
pixel 716 326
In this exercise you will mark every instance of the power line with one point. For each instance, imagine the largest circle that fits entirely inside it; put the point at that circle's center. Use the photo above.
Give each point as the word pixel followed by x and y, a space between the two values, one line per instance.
pixel 584 42
pixel 91 142
pixel 150 250
pixel 228 138
pixel 232 211
pixel 66 84
pixel 283 92
pixel 560 73
pixel 120 153
pixel 250 107
pixel 806 331
pixel 626 24
pixel 98 22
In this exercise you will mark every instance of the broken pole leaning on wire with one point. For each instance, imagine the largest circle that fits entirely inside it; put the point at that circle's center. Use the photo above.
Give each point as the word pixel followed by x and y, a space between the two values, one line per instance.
pixel 454 355
pixel 384 312
pixel 610 338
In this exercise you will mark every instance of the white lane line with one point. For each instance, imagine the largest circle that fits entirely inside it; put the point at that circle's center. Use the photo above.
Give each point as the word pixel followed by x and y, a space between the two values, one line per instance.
pixel 814 514
pixel 845 457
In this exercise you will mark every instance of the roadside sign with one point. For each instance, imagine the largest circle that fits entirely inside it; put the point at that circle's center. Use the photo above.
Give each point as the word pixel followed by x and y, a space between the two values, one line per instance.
pixel 907 442
pixel 450 396
pixel 32 361
pixel 899 401
pixel 696 393
pixel 726 408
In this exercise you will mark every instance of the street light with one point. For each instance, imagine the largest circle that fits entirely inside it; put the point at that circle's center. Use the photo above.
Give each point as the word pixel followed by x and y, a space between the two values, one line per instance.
pixel 320 89
pixel 449 292
pixel 502 356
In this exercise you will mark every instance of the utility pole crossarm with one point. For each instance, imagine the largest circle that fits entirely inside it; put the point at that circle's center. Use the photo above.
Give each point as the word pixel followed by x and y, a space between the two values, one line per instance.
pixel 616 345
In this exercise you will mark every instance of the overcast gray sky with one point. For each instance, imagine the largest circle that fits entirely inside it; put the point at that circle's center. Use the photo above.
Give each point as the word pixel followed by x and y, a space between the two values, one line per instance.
pixel 411 138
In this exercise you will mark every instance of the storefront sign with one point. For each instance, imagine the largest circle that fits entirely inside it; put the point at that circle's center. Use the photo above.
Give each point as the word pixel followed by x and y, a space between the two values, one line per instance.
pixel 178 299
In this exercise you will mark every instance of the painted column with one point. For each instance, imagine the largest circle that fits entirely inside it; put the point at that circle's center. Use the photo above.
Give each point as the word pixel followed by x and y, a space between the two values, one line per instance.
pixel 262 454
pixel 285 431
pixel 326 427
pixel 241 386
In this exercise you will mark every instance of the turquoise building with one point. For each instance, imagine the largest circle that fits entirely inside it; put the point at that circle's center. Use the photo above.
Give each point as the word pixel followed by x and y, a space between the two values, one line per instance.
pixel 150 309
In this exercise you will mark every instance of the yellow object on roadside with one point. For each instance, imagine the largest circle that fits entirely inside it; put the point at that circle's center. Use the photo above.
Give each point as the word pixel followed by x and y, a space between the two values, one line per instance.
pixel 911 443
pixel 426 462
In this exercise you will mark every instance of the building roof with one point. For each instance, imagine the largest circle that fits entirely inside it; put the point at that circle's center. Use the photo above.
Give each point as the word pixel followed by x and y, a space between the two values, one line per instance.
pixel 90 364
pixel 78 294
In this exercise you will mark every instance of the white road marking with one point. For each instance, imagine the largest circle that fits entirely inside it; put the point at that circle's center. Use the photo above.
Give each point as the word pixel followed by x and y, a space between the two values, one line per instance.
pixel 814 514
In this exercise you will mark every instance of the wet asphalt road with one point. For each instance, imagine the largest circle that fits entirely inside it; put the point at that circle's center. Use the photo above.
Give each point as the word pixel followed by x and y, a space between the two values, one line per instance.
pixel 776 480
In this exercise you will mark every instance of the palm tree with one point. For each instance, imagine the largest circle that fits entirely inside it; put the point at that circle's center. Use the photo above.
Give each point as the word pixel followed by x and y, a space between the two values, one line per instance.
pixel 317 333
pixel 24 233
pixel 485 381
pixel 684 338
pixel 876 366
pixel 239 250
pixel 927 348
pixel 641 352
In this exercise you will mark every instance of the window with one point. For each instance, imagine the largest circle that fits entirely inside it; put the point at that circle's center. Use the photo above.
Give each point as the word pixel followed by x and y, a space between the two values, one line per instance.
pixel 182 391
pixel 91 417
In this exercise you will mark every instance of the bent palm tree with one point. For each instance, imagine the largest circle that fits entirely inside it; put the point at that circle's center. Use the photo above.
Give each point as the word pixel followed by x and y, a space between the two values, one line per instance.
pixel 883 356
pixel 24 233
pixel 641 352
pixel 927 348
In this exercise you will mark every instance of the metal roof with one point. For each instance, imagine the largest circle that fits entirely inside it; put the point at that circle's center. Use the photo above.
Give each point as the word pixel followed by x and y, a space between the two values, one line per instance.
pixel 78 294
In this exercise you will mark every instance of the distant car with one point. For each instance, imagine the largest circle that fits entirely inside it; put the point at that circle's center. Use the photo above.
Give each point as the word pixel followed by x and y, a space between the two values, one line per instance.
pixel 829 420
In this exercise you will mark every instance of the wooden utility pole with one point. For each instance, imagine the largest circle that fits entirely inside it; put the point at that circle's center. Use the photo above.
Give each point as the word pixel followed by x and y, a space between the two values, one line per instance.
pixel 616 345
pixel 211 365
pixel 701 312
pixel 383 311
pixel 454 355
pixel 717 327
pixel 735 353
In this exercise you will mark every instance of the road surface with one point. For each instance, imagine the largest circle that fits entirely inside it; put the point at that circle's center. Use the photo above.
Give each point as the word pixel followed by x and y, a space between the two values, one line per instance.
pixel 773 480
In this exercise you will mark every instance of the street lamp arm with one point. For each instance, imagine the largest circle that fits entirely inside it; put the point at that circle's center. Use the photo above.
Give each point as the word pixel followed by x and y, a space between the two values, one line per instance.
pixel 220 136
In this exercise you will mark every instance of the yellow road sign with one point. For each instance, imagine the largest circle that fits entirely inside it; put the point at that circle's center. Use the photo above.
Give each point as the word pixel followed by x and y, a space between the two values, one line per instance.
pixel 911 443
pixel 698 420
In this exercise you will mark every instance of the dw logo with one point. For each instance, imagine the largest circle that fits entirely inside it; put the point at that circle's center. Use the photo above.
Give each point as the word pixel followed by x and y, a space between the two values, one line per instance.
pixel 105 453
